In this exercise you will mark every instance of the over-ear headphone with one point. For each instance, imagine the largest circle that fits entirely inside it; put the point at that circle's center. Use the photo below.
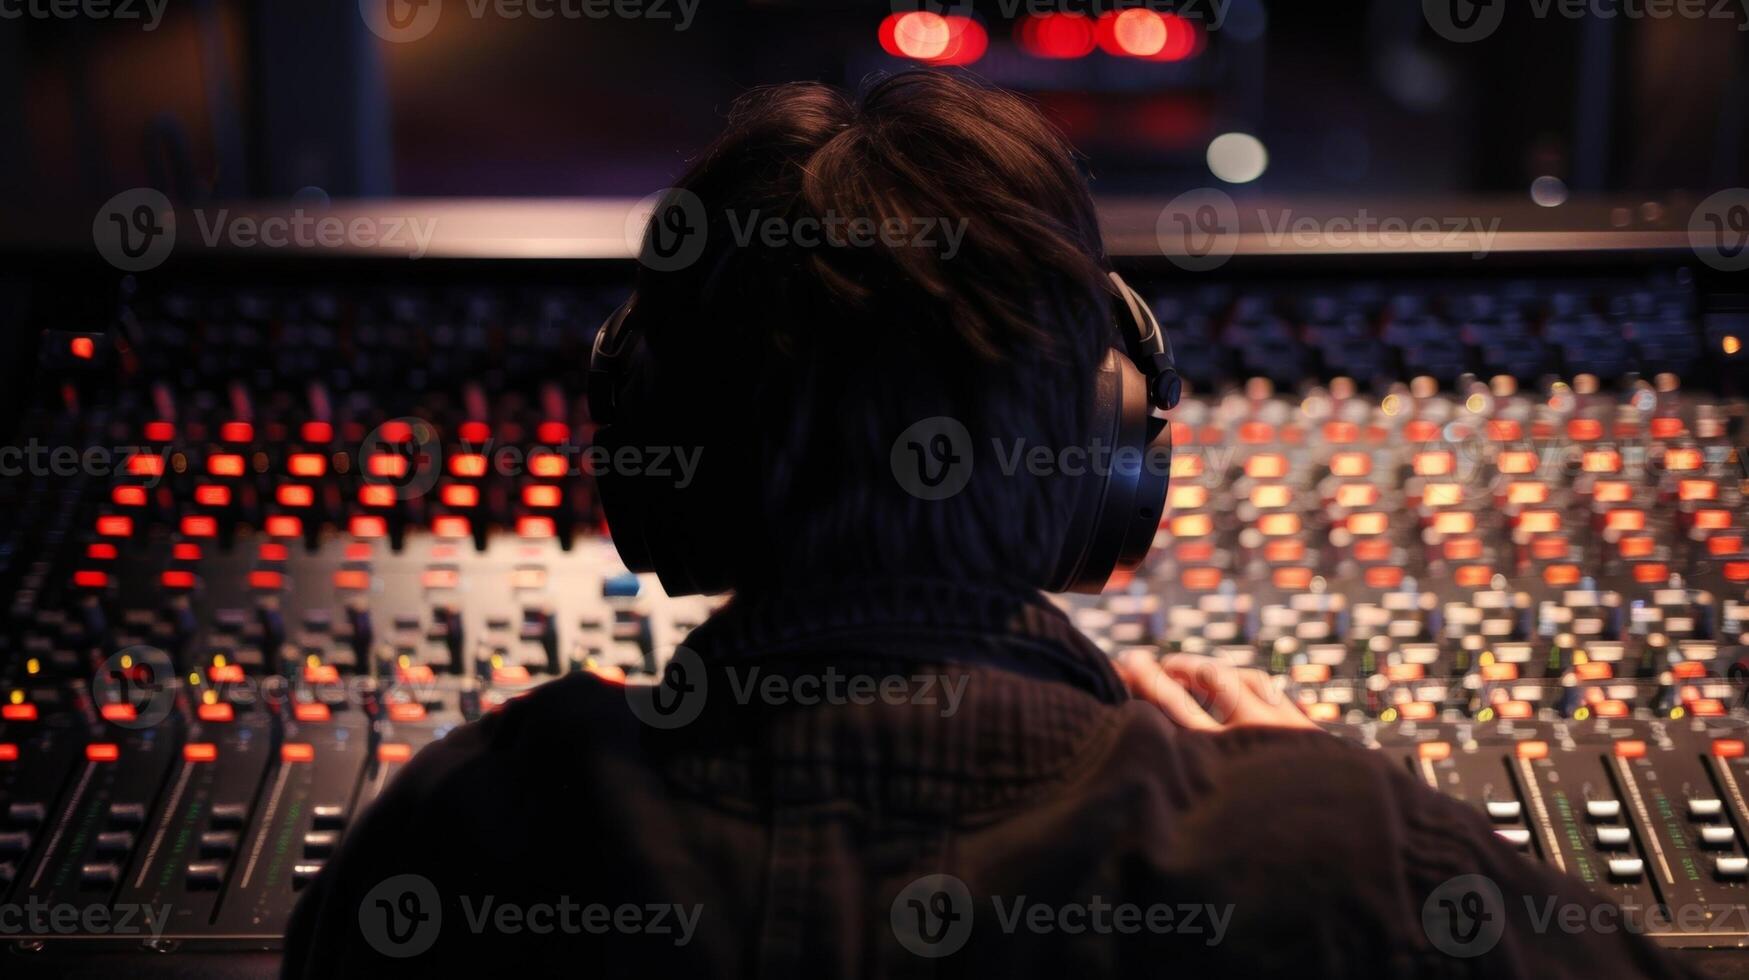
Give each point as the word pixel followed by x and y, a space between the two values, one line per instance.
pixel 679 533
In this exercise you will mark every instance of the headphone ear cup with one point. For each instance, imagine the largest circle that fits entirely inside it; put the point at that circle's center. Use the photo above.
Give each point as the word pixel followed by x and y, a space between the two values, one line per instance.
pixel 1120 500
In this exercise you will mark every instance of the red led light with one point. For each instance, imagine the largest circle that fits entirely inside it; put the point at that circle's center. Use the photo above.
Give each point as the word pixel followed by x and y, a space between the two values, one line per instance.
pixel 273 551
pixel 553 433
pixel 185 551
pixel 376 495
pixel 84 348
pixel 406 711
pixel 237 432
pixel 104 551
pixel 295 496
pixel 118 712
pixel 1182 39
pixel 535 527
pixel 8 752
pixel 474 433
pixel 450 526
pixel 266 581
pixel 159 431
pixel 177 579
pixel 352 580
pixel 212 495
pixel 102 752
pixel 144 465
pixel 18 712
pixel 387 465
pixel 317 432
pixel 115 526
pixel 216 712
pixel 1134 33
pixel 200 751
pixel 284 526
pixel 394 751
pixel 225 464
pixel 88 579
pixel 541 496
pixel 297 752
pixel 366 526
pixel 129 496
pixel 932 38
pixel 307 464
pixel 228 674
pixel 313 711
pixel 548 466
pixel 467 465
pixel 195 526
pixel 395 431
pixel 1056 35
pixel 461 495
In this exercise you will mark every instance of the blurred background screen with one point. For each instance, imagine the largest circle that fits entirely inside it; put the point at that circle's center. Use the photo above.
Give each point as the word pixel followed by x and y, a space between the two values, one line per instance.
pixel 223 99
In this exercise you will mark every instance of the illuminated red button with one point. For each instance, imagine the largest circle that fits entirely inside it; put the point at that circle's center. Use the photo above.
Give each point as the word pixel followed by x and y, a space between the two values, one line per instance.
pixel 284 526
pixel 84 348
pixel 395 430
pixel 415 674
pixel 115 526
pixel 1707 707
pixel 367 526
pixel 1531 750
pixel 450 526
pixel 548 466
pixel 266 580
pixel 467 465
pixel 1688 669
pixel 18 712
pixel 1421 430
pixel 185 551
pixel 1417 710
pixel 212 495
pixel 1611 709
pixel 308 465
pixel 406 711
pixel 352 579
pixel 1433 751
pixel 118 712
pixel 237 432
pixel 312 712
pixel 317 432
pixel 1384 577
pixel 216 712
pixel 387 465
pixel 1728 748
pixel 128 496
pixel 535 527
pixel 461 495
pixel 376 495
pixel 90 579
pixel 474 432
pixel 297 752
pixel 8 752
pixel 1593 670
pixel 200 752
pixel 321 674
pixel 1514 709
pixel 293 495
pixel 553 433
pixel 177 579
pixel 226 674
pixel 225 464
pixel 394 752
pixel 1500 672
pixel 513 674
pixel 540 495
pixel 143 465
pixel 197 526
pixel 100 551
pixel 159 431
pixel 1584 430
pixel 102 752
pixel 1630 748
pixel 1375 549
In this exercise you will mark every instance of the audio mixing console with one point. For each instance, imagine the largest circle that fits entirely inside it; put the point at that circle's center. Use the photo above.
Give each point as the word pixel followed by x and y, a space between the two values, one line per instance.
pixel 264 535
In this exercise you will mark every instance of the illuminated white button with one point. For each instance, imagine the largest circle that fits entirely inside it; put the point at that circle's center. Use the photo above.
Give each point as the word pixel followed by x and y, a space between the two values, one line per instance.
pixel 1717 836
pixel 1603 809
pixel 1504 810
pixel 1732 867
pixel 1516 836
pixel 1705 809
pixel 1613 837
pixel 1626 867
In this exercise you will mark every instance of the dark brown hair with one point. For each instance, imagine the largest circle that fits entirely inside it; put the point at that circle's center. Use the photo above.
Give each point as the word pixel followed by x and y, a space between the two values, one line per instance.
pixel 797 363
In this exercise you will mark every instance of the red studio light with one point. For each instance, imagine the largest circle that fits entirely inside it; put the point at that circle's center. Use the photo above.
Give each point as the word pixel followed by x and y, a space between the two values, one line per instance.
pixel 933 38
pixel 1058 35
pixel 1146 35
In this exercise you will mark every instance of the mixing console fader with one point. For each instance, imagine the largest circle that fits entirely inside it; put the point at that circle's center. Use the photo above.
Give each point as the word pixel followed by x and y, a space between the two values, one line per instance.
pixel 266 534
